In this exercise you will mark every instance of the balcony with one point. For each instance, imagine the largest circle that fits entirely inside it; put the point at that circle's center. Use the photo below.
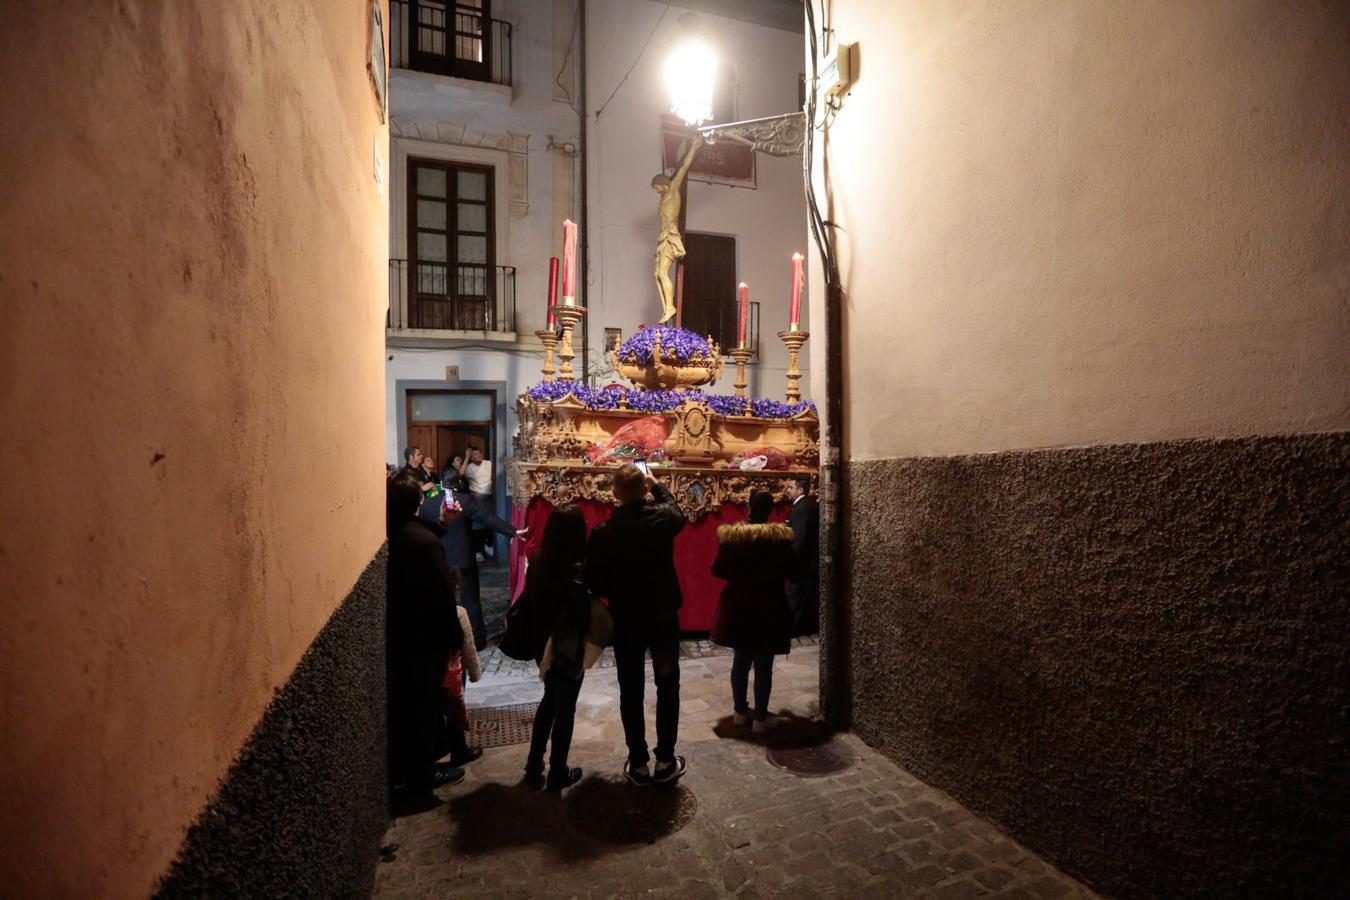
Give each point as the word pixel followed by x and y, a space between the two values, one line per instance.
pixel 423 39
pixel 461 301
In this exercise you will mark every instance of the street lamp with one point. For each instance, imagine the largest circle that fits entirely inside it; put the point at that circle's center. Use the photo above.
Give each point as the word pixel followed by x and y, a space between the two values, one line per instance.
pixel 690 73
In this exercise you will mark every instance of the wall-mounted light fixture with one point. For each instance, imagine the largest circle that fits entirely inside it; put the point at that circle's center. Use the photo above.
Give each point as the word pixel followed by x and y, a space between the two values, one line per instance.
pixel 691 71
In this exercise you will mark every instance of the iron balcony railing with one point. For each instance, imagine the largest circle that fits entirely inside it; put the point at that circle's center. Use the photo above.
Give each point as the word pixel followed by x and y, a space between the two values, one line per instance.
pixel 452 297
pixel 447 38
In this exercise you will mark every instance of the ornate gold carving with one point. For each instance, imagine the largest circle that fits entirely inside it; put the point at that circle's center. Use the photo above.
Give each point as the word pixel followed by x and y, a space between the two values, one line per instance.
pixel 667 373
pixel 554 435
pixel 742 356
pixel 568 316
pixel 794 341
pixel 698 491
pixel 691 440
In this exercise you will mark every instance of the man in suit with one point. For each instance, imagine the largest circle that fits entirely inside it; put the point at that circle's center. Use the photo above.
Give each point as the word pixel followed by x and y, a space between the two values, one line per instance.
pixel 631 560
pixel 455 526
pixel 804 592
pixel 422 630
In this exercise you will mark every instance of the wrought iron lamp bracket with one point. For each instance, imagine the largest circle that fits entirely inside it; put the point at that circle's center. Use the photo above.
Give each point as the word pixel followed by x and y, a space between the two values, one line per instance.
pixel 775 135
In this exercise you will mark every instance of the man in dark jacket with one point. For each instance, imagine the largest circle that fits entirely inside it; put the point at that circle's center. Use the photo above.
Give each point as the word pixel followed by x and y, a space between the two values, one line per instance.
pixel 422 629
pixel 631 561
pixel 456 529
pixel 804 591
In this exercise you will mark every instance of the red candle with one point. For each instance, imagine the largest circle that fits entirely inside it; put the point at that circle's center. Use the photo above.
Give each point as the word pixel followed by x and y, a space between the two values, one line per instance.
pixel 742 313
pixel 795 309
pixel 569 277
pixel 552 287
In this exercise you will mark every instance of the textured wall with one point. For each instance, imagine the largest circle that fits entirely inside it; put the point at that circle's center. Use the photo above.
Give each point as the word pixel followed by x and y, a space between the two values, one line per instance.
pixel 190 385
pixel 1092 222
pixel 302 811
pixel 1134 657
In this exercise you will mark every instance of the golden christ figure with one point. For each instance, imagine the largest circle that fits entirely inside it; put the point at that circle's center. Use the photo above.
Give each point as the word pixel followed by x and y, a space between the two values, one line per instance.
pixel 669 245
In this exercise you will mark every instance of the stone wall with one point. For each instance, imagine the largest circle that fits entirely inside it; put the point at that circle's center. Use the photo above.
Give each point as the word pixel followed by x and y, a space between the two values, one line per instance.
pixel 1136 658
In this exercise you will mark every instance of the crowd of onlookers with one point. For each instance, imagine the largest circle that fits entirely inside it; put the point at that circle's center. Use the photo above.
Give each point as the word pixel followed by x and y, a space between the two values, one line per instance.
pixel 770 570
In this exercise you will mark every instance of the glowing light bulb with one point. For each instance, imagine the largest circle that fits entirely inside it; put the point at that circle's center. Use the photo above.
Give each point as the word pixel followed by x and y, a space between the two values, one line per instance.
pixel 690 71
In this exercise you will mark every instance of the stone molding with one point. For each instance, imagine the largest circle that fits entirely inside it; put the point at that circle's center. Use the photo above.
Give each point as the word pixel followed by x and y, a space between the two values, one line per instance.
pixel 457 134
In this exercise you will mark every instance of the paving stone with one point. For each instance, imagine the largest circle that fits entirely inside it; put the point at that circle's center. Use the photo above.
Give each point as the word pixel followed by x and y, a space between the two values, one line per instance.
pixel 1048 888
pixel 958 890
pixel 756 832
pixel 994 878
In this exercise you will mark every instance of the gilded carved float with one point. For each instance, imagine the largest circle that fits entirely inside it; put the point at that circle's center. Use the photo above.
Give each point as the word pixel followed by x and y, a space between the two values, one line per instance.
pixel 701 459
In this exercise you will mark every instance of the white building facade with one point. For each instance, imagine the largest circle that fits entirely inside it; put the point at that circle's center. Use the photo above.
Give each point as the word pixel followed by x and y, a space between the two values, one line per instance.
pixel 485 163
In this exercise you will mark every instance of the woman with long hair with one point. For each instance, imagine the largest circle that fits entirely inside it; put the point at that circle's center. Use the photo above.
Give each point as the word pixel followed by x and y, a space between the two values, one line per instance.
pixel 752 616
pixel 565 620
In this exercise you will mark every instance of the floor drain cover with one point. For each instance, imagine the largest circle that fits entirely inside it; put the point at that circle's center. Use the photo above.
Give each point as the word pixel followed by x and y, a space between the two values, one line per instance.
pixel 501 726
pixel 810 760
pixel 610 809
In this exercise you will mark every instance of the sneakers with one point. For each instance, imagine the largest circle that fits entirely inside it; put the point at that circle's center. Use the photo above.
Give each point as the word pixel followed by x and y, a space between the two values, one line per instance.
pixel 443 775
pixel 638 776
pixel 769 723
pixel 533 778
pixel 668 772
pixel 740 720
pixel 565 779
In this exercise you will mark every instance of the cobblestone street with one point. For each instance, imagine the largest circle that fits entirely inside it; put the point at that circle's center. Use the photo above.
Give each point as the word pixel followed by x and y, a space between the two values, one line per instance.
pixel 735 826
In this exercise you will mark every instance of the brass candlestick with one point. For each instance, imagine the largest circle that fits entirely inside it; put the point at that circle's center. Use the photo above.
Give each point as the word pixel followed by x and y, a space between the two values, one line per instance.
pixel 568 315
pixel 794 340
pixel 742 356
pixel 549 337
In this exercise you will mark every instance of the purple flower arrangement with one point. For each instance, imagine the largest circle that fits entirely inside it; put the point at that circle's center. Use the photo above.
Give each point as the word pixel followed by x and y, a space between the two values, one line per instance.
pixel 679 346
pixel 655 401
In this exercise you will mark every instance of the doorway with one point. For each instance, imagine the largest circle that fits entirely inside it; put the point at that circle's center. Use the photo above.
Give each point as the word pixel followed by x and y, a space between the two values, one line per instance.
pixel 710 286
pixel 448 423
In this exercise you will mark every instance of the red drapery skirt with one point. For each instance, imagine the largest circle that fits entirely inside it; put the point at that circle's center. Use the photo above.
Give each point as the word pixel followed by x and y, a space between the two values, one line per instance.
pixel 695 550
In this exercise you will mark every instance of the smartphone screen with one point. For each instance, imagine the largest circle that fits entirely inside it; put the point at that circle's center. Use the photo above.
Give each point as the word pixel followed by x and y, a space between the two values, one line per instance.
pixel 642 466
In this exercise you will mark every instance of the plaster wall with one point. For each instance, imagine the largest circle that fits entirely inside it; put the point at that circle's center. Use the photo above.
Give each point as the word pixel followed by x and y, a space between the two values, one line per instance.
pixel 435 117
pixel 1067 224
pixel 768 222
pixel 194 287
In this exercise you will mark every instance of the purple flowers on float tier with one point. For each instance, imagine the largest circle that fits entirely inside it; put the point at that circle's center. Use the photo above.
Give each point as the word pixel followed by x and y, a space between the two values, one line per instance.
pixel 608 397
pixel 678 345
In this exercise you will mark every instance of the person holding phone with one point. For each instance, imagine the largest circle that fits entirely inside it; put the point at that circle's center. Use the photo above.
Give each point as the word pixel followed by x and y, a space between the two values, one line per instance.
pixel 454 517
pixel 631 561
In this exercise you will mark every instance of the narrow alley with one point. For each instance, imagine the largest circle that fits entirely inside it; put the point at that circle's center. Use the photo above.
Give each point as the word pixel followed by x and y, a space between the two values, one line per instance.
pixel 736 825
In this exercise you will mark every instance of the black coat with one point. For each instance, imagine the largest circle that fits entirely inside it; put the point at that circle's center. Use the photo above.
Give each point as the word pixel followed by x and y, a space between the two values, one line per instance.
pixel 804 517
pixel 752 613
pixel 631 560
pixel 560 608
pixel 422 621
pixel 455 537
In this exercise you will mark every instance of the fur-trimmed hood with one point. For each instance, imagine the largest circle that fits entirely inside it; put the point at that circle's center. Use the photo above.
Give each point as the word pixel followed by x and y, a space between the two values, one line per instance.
pixel 747 533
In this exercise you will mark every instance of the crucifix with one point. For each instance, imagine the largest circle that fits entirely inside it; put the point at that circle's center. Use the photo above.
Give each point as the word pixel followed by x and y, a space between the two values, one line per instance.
pixel 669 243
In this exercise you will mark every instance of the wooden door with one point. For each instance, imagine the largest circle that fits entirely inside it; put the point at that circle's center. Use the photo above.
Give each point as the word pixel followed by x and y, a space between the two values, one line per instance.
pixel 710 286
pixel 453 438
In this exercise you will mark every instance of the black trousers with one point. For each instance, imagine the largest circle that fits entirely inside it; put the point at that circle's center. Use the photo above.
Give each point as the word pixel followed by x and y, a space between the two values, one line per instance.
pixel 416 736
pixel 632 642
pixel 804 601
pixel 469 591
pixel 555 717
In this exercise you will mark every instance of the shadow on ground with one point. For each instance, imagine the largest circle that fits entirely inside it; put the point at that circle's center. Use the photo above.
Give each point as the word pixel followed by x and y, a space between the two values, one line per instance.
pixel 600 815
pixel 792 730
